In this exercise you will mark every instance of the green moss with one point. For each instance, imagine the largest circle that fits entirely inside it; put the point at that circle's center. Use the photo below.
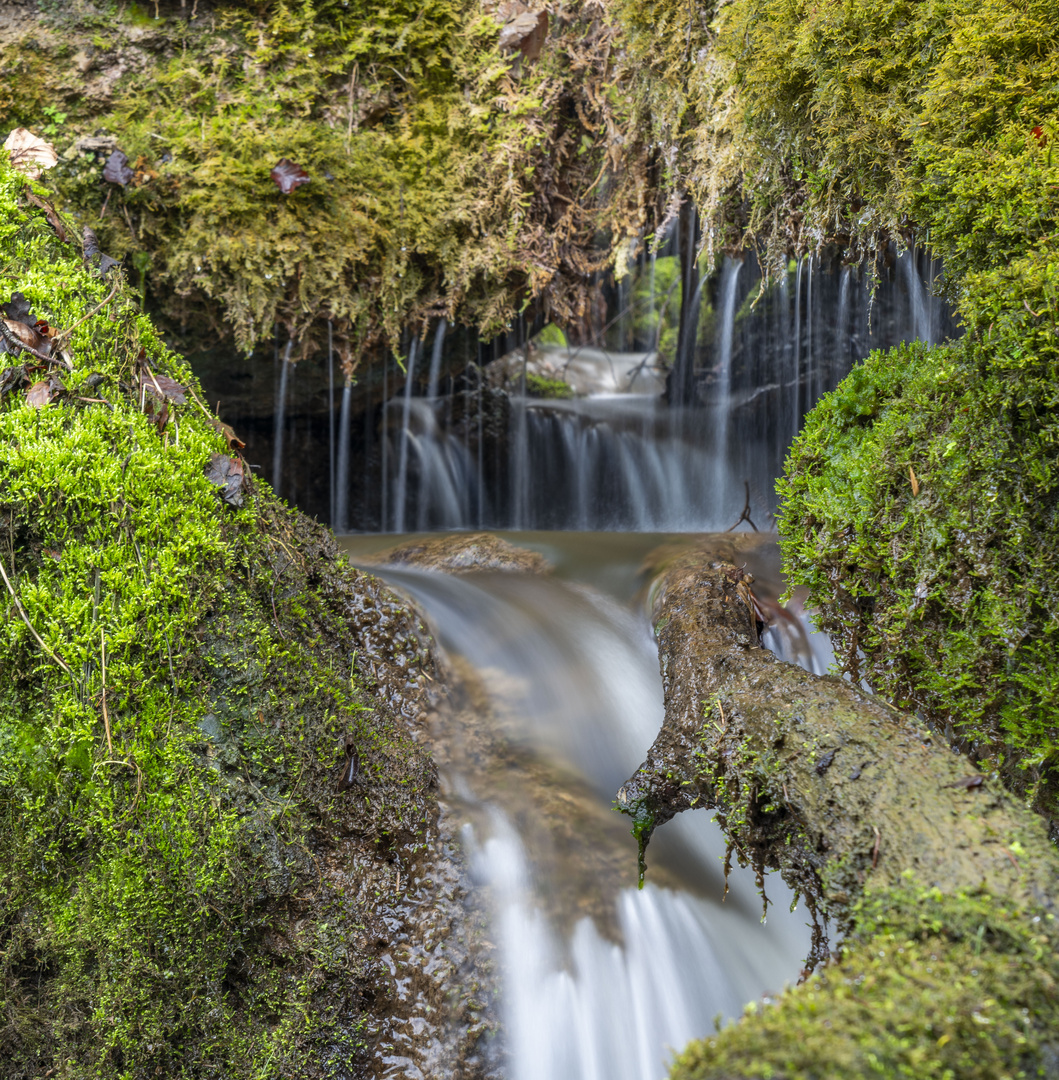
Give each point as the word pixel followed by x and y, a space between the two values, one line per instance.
pixel 428 154
pixel 929 985
pixel 541 387
pixel 167 760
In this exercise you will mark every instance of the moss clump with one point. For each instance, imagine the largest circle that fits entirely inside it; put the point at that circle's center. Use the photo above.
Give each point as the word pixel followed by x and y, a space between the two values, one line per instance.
pixel 445 177
pixel 539 386
pixel 929 985
pixel 169 809
pixel 921 512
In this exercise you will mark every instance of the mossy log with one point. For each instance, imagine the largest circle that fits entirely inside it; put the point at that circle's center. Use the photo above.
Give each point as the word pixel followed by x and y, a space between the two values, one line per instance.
pixel 880 826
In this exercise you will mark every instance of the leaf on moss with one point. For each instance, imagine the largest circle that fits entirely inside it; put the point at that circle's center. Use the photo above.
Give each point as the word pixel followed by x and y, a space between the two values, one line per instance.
pixel 233 440
pixel 30 154
pixel 117 169
pixel 524 29
pixel 25 334
pixel 12 378
pixel 163 387
pixel 227 473
pixel 18 308
pixel 92 249
pixel 44 392
pixel 288 175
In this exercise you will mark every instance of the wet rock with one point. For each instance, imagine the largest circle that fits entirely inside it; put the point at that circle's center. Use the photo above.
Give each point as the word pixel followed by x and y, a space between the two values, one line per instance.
pixel 462 552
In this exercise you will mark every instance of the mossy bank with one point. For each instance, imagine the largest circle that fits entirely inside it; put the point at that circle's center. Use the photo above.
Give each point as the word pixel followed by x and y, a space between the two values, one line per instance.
pixel 210 786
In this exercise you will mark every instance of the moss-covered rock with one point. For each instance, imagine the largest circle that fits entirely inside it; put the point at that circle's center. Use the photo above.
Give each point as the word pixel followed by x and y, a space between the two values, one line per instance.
pixel 444 176
pixel 207 785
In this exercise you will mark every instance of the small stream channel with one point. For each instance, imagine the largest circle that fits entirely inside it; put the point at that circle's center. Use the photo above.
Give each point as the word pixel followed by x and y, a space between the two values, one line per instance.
pixel 599 980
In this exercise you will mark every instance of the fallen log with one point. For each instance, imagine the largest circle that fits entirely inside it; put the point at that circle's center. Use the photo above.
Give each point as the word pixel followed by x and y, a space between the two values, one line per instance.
pixel 943 883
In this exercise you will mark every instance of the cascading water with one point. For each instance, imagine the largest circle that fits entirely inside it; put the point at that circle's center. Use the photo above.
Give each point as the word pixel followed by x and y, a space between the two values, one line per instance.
pixel 600 980
pixel 616 456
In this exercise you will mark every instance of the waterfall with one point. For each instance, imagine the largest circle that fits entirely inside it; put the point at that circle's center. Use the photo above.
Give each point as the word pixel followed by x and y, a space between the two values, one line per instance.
pixel 918 300
pixel 281 418
pixel 331 420
pixel 599 980
pixel 342 493
pixel 402 468
pixel 435 358
pixel 725 333
pixel 617 459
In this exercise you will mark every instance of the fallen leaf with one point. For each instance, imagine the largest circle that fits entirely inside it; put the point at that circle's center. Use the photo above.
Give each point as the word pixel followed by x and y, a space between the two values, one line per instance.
pixel 51 214
pixel 288 175
pixel 915 482
pixel 977 780
pixel 12 378
pixel 44 392
pixel 117 169
pixel 27 335
pixel 30 154
pixel 18 308
pixel 525 29
pixel 1038 133
pixel 163 387
pixel 227 473
pixel 91 249
pixel 234 442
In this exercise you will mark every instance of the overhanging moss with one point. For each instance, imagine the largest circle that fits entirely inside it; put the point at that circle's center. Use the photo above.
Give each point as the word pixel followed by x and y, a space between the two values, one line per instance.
pixel 445 180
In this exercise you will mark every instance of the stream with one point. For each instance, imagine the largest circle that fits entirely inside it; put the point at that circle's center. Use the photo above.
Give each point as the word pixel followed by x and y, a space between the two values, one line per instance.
pixel 598 979
pixel 561 692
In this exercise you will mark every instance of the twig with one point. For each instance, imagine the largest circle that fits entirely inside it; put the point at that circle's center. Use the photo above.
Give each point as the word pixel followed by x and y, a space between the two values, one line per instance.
pixel 60 338
pixel 106 718
pixel 875 850
pixel 25 618
pixel 745 515
pixel 13 341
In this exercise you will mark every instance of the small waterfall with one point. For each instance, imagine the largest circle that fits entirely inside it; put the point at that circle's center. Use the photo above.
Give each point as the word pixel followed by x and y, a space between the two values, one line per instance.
pixel 725 333
pixel 342 494
pixel 402 467
pixel 615 459
pixel 922 322
pixel 435 358
pixel 281 418
pixel 600 981
pixel 332 501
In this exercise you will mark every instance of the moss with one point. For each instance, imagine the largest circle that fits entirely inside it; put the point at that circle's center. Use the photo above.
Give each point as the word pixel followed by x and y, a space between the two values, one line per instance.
pixel 168 760
pixel 433 161
pixel 929 985
pixel 540 387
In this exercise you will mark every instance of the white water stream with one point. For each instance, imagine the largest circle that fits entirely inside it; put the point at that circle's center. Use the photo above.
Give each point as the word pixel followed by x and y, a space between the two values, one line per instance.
pixel 600 980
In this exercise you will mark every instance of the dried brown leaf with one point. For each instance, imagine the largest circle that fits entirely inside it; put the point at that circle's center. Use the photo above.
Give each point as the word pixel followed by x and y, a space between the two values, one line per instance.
pixel 227 473
pixel 288 175
pixel 117 169
pixel 30 154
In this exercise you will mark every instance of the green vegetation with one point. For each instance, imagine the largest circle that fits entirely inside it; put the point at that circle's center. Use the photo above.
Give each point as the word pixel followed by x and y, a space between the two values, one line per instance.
pixel 540 387
pixel 929 985
pixel 169 748
pixel 445 178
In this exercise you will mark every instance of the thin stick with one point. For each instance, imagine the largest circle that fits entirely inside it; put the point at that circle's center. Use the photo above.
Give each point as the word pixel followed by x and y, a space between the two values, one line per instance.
pixel 106 718
pixel 61 337
pixel 875 850
pixel 25 618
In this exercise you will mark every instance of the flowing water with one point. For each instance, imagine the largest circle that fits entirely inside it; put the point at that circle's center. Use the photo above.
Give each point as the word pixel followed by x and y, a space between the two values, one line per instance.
pixel 561 692
pixel 617 457
pixel 599 979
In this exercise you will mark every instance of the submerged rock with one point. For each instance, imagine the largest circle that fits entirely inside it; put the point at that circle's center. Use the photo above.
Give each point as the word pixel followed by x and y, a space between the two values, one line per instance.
pixel 462 552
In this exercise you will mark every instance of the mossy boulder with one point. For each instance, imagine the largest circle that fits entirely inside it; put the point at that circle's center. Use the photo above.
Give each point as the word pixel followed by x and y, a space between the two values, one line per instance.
pixel 208 775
